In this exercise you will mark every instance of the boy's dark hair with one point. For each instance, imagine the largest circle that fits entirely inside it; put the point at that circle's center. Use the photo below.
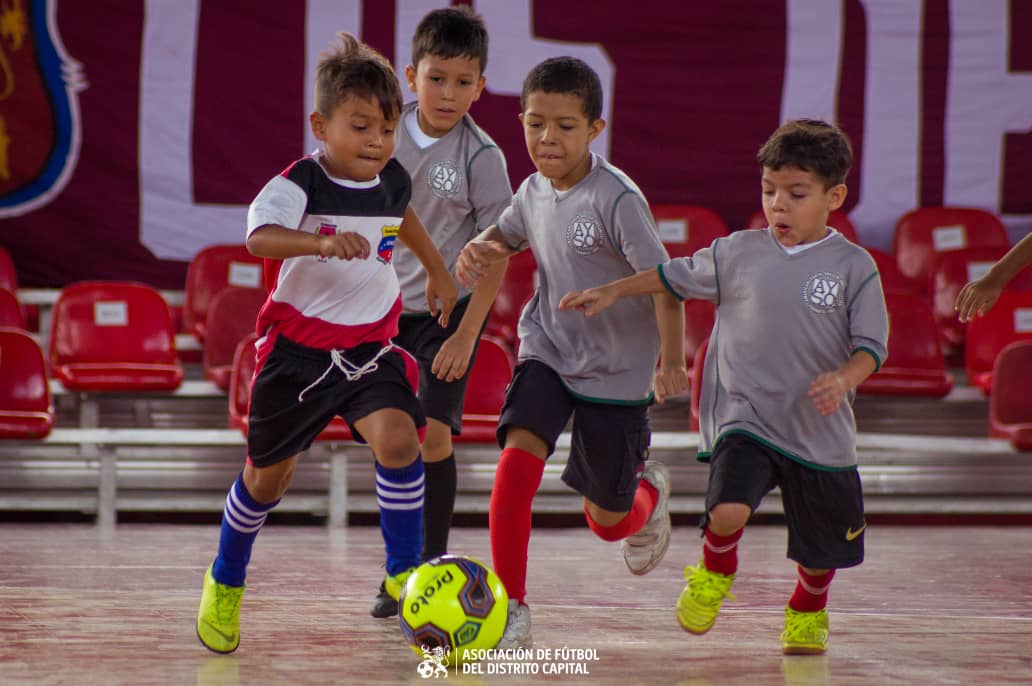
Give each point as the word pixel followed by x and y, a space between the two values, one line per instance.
pixel 566 75
pixel 811 145
pixel 354 68
pixel 451 32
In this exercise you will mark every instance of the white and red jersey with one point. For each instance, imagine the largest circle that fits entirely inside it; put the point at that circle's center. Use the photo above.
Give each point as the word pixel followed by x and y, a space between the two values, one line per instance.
pixel 330 303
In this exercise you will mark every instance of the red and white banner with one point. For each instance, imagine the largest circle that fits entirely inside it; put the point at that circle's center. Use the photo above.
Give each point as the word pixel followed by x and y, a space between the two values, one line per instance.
pixel 132 134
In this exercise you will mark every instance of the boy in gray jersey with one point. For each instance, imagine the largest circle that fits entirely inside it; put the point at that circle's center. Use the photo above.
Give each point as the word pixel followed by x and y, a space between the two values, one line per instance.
pixel 801 322
pixel 460 186
pixel 587 223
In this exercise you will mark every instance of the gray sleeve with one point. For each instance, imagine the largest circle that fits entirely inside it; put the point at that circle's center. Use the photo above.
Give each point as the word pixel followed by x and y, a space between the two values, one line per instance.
pixel 511 223
pixel 693 277
pixel 634 231
pixel 489 189
pixel 868 319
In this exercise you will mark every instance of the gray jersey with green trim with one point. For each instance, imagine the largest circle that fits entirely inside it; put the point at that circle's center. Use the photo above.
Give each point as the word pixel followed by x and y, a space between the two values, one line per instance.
pixel 597 231
pixel 460 185
pixel 782 320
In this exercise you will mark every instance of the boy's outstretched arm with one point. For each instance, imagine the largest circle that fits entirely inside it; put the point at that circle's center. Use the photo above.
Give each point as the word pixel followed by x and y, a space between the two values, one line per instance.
pixel 439 284
pixel 479 254
pixel 976 297
pixel 452 359
pixel 595 300
pixel 829 389
pixel 672 376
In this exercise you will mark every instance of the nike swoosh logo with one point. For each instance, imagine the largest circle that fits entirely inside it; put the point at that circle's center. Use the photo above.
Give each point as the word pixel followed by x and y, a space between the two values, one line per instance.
pixel 229 637
pixel 851 535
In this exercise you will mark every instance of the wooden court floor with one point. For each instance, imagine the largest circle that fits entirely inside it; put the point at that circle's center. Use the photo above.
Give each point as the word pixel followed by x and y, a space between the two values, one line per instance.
pixel 931 605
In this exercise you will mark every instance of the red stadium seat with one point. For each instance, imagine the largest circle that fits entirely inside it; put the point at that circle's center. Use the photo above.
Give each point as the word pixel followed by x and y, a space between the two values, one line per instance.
pixel 950 271
pixel 10 310
pixel 485 391
pixel 1009 320
pixel 687 228
pixel 517 288
pixel 8 272
pixel 922 233
pixel 838 220
pixel 242 375
pixel 915 365
pixel 230 318
pixel 1010 405
pixel 113 336
pixel 211 270
pixel 25 407
pixel 891 278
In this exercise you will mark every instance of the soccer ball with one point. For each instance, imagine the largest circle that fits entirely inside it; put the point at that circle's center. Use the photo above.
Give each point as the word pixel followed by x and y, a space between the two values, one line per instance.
pixel 455 603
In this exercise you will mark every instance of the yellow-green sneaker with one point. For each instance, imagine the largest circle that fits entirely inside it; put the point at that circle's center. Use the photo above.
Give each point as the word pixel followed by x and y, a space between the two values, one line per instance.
pixel 218 618
pixel 700 600
pixel 394 584
pixel 806 633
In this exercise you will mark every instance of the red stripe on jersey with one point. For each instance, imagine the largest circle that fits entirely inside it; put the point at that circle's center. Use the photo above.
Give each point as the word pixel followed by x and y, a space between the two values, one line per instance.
pixel 291 166
pixel 287 320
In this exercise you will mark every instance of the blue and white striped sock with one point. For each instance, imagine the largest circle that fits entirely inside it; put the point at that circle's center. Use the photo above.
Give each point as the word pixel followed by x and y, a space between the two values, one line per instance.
pixel 399 493
pixel 241 521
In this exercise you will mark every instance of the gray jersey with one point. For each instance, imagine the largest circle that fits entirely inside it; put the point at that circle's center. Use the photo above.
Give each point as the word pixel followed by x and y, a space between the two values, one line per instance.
pixel 460 186
pixel 782 320
pixel 597 231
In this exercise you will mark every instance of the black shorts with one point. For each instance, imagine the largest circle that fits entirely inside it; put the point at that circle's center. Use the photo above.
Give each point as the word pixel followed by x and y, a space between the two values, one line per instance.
pixel 422 336
pixel 824 509
pixel 609 445
pixel 281 425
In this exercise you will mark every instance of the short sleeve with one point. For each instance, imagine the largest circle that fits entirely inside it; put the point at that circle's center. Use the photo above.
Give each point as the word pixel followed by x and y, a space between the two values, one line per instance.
pixel 489 189
pixel 695 276
pixel 281 202
pixel 511 222
pixel 635 232
pixel 869 319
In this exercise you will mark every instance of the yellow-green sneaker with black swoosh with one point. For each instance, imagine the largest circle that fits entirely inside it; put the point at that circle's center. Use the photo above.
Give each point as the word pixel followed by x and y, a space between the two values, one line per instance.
pixel 218 618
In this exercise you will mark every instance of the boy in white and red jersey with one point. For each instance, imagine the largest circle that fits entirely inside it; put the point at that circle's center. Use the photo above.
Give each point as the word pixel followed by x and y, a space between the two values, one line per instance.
pixel 801 322
pixel 327 227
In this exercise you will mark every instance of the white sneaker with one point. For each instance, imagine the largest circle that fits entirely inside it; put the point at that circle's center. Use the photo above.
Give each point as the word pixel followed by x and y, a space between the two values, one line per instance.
pixel 517 628
pixel 643 551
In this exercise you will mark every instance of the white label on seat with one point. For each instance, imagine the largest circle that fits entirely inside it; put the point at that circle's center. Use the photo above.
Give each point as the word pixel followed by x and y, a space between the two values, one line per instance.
pixel 111 313
pixel 976 270
pixel 245 274
pixel 672 230
pixel 1023 320
pixel 949 238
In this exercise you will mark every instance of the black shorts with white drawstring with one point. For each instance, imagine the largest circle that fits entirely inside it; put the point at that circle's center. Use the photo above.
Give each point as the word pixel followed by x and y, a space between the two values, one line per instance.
pixel 298 390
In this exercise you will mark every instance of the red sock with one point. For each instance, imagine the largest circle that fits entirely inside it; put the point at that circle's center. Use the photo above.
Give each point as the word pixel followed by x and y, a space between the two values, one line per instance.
pixel 720 553
pixel 645 499
pixel 811 592
pixel 516 481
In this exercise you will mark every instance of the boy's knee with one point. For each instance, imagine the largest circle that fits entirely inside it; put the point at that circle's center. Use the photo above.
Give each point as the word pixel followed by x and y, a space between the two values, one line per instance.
pixel 727 518
pixel 397 450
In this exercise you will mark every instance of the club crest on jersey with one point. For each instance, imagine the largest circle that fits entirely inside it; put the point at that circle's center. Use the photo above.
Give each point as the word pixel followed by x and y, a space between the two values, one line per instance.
pixel 38 154
pixel 326 230
pixel 824 292
pixel 444 178
pixel 385 250
pixel 584 235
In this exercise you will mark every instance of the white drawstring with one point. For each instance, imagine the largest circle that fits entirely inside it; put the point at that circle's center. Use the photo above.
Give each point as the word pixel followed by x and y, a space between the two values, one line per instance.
pixel 352 372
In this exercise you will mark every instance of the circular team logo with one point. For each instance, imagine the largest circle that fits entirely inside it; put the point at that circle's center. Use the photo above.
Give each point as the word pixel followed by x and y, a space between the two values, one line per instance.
pixel 824 292
pixel 584 235
pixel 444 178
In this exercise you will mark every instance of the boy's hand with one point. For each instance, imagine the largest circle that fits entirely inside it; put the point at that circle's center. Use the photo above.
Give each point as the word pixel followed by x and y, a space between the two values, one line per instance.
pixel 828 391
pixel 670 380
pixel 591 301
pixel 452 360
pixel 441 288
pixel 976 297
pixel 347 246
pixel 475 259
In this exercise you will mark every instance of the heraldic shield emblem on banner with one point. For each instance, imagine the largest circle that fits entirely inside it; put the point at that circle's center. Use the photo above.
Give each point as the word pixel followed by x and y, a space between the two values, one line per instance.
pixel 40 128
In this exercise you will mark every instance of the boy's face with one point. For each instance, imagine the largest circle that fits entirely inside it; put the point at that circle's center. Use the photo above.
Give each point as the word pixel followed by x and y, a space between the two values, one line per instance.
pixel 797 206
pixel 357 138
pixel 558 136
pixel 445 89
